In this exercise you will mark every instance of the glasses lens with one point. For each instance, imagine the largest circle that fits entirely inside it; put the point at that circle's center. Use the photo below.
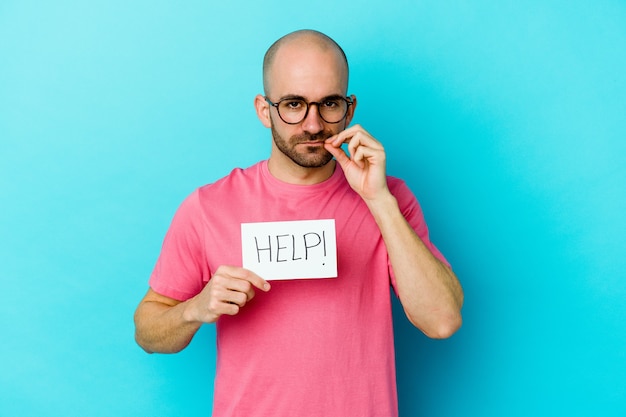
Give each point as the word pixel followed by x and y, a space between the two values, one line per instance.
pixel 292 111
pixel 331 110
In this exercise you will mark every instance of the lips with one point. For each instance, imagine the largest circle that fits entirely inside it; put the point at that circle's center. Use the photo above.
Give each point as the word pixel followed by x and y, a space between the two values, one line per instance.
pixel 318 138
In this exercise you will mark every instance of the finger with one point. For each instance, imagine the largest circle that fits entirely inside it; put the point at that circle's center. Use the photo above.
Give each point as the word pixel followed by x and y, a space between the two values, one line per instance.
pixel 333 141
pixel 359 153
pixel 352 138
pixel 353 145
pixel 358 157
pixel 232 289
pixel 221 299
pixel 363 139
pixel 339 154
pixel 244 274
pixel 342 137
pixel 215 302
pixel 350 133
pixel 230 309
pixel 236 297
pixel 227 308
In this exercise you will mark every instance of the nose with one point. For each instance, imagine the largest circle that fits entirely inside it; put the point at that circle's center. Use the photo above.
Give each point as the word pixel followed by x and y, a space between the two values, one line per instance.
pixel 313 123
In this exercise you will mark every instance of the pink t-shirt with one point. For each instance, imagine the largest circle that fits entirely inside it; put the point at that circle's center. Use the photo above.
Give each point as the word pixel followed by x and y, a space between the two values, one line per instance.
pixel 315 347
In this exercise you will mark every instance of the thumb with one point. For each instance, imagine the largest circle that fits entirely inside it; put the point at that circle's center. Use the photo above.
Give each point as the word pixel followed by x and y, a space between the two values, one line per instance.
pixel 339 154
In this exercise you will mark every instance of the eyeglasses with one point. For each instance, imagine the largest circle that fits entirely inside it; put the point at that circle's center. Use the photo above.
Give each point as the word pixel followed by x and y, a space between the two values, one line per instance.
pixel 293 110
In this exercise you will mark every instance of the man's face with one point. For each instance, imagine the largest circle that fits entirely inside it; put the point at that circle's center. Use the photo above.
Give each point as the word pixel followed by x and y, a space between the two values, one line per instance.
pixel 305 149
pixel 312 74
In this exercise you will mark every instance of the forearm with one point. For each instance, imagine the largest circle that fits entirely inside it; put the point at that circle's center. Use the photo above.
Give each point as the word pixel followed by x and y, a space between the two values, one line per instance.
pixel 163 328
pixel 428 289
pixel 166 325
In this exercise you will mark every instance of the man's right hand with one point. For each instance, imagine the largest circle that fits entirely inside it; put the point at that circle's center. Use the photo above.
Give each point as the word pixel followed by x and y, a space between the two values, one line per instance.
pixel 228 290
pixel 167 325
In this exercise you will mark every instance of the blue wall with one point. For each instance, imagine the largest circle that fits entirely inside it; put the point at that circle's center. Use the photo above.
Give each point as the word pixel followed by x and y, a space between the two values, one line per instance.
pixel 507 119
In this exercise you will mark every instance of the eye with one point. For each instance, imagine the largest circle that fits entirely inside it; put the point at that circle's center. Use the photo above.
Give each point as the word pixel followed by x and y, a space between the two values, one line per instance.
pixel 293 104
pixel 333 103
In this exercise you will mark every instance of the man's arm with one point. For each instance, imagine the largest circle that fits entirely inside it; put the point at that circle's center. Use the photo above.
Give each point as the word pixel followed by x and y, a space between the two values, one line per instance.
pixel 166 325
pixel 160 324
pixel 429 291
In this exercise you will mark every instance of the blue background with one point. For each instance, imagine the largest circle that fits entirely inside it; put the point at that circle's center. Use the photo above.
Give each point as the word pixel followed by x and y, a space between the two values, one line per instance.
pixel 507 119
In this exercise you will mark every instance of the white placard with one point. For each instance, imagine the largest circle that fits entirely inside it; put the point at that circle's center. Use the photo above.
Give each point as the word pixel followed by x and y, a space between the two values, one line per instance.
pixel 290 250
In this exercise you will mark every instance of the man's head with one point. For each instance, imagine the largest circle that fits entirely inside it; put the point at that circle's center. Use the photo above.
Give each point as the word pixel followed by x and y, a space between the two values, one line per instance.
pixel 311 67
pixel 305 38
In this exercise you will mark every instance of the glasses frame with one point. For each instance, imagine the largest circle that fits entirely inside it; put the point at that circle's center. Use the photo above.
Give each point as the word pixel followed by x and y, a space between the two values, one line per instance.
pixel 348 100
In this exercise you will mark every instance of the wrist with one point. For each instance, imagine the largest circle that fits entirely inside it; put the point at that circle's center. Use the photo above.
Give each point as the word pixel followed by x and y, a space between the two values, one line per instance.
pixel 188 313
pixel 382 205
pixel 194 313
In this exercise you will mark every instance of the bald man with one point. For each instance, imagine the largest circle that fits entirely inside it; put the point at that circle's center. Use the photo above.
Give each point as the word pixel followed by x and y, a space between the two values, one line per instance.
pixel 302 347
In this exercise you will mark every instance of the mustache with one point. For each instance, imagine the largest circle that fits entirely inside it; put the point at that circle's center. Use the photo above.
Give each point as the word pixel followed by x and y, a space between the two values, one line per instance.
pixel 317 137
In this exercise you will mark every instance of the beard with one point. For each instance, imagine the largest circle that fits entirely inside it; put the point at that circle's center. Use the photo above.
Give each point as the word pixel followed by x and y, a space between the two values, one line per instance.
pixel 312 156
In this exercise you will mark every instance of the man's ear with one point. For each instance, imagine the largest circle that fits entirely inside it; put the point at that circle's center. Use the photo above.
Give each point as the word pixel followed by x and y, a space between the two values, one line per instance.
pixel 351 110
pixel 262 110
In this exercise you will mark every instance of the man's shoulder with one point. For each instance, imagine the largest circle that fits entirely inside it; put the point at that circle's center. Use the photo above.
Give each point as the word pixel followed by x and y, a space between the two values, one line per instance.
pixel 237 181
pixel 396 184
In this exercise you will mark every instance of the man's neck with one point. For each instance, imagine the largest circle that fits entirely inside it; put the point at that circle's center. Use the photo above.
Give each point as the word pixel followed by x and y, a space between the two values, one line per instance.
pixel 292 173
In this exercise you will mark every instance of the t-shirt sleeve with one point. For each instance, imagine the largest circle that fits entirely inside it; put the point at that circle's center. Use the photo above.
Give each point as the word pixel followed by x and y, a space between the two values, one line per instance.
pixel 410 208
pixel 181 271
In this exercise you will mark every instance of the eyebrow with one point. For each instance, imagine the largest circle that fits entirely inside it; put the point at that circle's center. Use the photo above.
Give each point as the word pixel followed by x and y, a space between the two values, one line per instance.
pixel 297 97
pixel 292 97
